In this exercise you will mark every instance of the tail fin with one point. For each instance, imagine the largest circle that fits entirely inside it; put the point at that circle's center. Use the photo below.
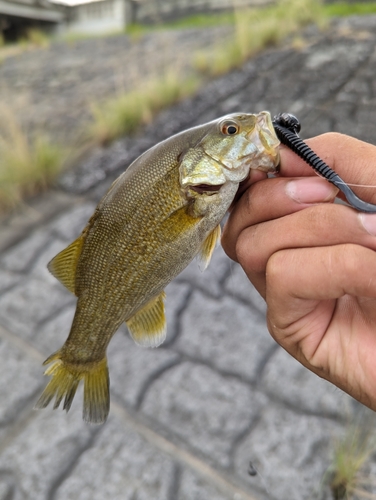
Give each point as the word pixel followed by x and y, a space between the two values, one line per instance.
pixel 65 380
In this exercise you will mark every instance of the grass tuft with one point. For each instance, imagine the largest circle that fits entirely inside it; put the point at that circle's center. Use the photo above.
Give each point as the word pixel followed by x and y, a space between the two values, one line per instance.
pixel 124 113
pixel 37 37
pixel 351 455
pixel 256 29
pixel 342 9
pixel 27 164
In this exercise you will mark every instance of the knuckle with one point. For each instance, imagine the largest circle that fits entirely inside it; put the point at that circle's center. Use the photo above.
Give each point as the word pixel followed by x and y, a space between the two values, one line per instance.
pixel 276 266
pixel 333 137
pixel 349 255
pixel 227 242
pixel 248 252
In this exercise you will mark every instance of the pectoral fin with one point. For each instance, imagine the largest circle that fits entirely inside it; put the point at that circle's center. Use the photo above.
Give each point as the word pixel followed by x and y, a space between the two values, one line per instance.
pixel 148 326
pixel 208 247
pixel 64 265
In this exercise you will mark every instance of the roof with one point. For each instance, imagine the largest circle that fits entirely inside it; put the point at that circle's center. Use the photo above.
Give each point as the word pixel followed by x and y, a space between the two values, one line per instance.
pixel 31 9
pixel 72 3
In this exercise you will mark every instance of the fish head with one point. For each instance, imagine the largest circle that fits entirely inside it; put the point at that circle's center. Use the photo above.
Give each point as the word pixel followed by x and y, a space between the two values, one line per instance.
pixel 226 152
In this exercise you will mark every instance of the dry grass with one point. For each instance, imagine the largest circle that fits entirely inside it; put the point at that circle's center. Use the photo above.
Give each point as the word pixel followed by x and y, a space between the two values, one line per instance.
pixel 256 29
pixel 27 164
pixel 348 478
pixel 37 38
pixel 127 111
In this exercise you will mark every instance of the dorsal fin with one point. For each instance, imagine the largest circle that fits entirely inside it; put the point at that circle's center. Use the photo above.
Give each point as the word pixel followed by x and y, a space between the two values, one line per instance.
pixel 208 247
pixel 148 326
pixel 63 265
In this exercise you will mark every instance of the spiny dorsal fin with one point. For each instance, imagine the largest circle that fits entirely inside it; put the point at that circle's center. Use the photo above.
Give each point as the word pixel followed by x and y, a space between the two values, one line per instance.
pixel 208 247
pixel 63 265
pixel 148 326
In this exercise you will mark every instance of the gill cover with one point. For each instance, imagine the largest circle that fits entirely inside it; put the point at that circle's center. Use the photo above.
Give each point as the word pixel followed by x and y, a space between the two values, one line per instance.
pixel 231 146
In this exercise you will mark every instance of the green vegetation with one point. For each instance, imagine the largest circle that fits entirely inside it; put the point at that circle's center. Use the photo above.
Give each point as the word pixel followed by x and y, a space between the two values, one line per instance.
pixel 348 9
pixel 27 164
pixel 37 38
pixel 256 29
pixel 194 21
pixel 124 113
pixel 351 455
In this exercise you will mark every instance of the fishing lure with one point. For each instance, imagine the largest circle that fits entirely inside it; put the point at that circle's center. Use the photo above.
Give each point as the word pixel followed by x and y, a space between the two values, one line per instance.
pixel 287 128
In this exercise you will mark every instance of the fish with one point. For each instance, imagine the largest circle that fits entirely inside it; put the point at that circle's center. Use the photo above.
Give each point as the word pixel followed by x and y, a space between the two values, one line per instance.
pixel 163 211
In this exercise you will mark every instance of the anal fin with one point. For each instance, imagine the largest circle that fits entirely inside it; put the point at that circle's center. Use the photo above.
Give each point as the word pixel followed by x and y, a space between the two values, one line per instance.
pixel 148 326
pixel 208 247
pixel 63 265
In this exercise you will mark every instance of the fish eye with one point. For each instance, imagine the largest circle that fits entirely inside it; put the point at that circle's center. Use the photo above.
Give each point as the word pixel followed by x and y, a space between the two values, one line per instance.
pixel 229 128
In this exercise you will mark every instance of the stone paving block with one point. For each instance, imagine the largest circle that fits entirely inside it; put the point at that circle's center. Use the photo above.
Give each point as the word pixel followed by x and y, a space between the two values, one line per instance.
pixel 69 225
pixel 8 279
pixel 132 366
pixel 120 465
pixel 51 335
pixel 203 408
pixel 29 303
pixel 20 257
pixel 39 265
pixel 225 334
pixel 6 486
pixel 336 54
pixel 20 378
pixel 44 451
pixel 210 279
pixel 291 453
pixel 194 487
pixel 238 286
pixel 176 300
pixel 365 129
pixel 286 379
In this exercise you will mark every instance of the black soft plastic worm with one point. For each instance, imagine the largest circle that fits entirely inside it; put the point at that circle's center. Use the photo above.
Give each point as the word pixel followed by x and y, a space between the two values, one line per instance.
pixel 287 127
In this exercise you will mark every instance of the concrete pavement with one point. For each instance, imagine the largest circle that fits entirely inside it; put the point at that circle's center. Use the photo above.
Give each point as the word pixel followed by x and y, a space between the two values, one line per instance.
pixel 187 418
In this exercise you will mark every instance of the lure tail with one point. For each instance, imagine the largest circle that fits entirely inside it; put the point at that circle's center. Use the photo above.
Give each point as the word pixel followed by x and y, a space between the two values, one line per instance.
pixel 64 383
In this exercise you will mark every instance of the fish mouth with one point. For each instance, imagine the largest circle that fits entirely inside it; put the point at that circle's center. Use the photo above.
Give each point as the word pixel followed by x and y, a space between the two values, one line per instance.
pixel 206 188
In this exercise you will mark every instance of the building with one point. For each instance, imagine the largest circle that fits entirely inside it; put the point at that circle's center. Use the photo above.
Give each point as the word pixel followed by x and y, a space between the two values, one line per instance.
pixel 17 16
pixel 99 16
pixel 94 16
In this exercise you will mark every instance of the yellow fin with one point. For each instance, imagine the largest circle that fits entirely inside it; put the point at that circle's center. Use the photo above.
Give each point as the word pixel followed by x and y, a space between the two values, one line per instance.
pixel 208 247
pixel 148 326
pixel 63 265
pixel 65 380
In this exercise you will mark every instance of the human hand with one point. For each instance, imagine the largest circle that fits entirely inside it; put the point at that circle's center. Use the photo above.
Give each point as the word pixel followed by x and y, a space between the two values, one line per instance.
pixel 314 262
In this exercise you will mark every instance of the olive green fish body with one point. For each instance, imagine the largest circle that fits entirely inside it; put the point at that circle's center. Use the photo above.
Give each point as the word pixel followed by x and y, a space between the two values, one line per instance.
pixel 156 217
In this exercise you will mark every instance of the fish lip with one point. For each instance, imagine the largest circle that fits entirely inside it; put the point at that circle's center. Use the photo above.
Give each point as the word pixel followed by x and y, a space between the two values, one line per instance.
pixel 208 189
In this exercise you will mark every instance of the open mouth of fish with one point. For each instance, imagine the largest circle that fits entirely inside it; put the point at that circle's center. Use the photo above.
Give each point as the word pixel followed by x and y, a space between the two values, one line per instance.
pixel 206 188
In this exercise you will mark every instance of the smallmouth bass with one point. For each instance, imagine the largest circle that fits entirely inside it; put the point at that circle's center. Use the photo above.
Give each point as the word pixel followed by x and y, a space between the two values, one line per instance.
pixel 164 210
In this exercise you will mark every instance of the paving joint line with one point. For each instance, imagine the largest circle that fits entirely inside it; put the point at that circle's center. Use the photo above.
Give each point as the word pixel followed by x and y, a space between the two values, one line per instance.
pixel 152 378
pixel 221 480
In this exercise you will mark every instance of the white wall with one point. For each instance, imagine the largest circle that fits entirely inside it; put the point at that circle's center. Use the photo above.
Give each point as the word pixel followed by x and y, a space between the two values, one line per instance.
pixel 97 17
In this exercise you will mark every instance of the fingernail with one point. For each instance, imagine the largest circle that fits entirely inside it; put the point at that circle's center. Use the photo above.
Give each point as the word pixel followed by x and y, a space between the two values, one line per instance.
pixel 310 190
pixel 369 223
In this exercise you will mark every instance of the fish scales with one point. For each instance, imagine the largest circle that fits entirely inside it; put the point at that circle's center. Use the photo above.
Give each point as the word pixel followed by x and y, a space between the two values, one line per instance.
pixel 156 217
